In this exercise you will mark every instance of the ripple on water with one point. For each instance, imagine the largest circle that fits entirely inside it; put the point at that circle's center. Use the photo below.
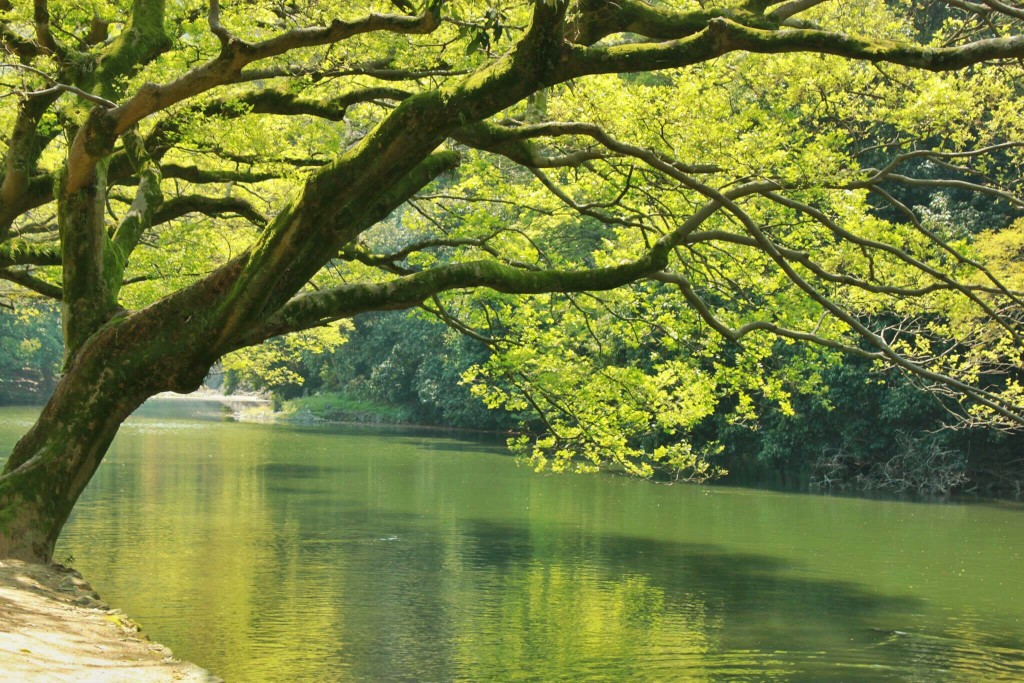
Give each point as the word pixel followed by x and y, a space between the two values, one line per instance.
pixel 320 556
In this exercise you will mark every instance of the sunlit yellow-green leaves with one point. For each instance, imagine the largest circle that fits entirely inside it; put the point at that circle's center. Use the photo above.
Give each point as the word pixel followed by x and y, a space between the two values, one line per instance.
pixel 273 363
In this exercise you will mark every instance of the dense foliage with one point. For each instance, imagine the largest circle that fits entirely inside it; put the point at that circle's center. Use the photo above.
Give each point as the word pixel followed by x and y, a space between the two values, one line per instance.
pixel 651 217
pixel 31 350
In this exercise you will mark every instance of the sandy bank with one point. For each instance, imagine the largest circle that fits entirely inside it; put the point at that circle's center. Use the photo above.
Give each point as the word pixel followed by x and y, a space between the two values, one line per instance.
pixel 54 627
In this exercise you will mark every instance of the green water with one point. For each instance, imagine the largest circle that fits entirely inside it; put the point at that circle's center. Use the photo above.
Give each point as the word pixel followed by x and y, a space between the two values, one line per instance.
pixel 269 553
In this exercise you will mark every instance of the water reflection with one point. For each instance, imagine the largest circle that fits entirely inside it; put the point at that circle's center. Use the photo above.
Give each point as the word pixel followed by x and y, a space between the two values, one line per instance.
pixel 271 554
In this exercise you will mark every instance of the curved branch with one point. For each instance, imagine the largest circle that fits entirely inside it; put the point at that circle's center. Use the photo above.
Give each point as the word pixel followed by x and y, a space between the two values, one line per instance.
pixel 96 138
pixel 510 141
pixel 903 256
pixel 1003 8
pixel 318 308
pixel 140 215
pixel 176 207
pixel 992 401
pixel 501 140
pixel 722 36
pixel 939 182
pixel 790 9
pixel 941 243
pixel 18 187
pixel 930 154
pixel 273 101
pixel 216 28
pixel 805 260
pixel 598 19
pixel 34 284
pixel 41 16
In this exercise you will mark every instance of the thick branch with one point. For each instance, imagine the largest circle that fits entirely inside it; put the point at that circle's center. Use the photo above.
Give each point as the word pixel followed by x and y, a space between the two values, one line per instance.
pixel 23 150
pixel 259 288
pixel 318 308
pixel 141 41
pixel 384 169
pixel 202 176
pixel 600 18
pixel 41 15
pixel 139 218
pixel 273 101
pixel 1003 8
pixel 722 36
pixel 96 138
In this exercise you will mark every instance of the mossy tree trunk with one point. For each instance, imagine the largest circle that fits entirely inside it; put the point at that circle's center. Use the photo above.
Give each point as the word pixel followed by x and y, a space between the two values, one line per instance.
pixel 127 360
pixel 116 359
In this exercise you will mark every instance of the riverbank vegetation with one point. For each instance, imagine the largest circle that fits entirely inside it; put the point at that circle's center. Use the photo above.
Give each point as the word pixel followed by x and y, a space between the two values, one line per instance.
pixel 860 429
pixel 668 235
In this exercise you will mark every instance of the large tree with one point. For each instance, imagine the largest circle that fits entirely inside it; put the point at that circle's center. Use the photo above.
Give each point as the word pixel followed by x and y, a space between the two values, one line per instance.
pixel 189 179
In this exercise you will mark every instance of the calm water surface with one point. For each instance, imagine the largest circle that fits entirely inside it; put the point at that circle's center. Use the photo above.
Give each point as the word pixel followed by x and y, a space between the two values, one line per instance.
pixel 271 553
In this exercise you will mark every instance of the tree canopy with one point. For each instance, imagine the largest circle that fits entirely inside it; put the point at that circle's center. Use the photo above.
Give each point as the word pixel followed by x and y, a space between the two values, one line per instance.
pixel 684 189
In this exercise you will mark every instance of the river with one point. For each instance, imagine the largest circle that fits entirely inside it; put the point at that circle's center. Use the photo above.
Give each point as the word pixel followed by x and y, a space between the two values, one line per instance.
pixel 278 553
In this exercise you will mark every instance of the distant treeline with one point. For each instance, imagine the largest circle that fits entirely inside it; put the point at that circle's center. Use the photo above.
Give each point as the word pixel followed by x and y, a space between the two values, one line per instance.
pixel 31 350
pixel 868 430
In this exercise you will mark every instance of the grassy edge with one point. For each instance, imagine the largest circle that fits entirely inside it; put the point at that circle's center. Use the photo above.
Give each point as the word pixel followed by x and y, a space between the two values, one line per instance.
pixel 329 407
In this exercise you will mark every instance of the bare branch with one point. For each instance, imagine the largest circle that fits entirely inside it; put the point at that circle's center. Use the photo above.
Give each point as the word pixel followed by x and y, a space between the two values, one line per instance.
pixel 216 28
pixel 992 401
pixel 59 88
pixel 789 9
pixel 941 243
pixel 736 334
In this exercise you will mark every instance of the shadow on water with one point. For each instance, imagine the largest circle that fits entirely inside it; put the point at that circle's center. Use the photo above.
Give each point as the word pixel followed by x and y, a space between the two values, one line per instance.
pixel 388 566
pixel 294 470
pixel 420 437
pixel 463 445
pixel 504 601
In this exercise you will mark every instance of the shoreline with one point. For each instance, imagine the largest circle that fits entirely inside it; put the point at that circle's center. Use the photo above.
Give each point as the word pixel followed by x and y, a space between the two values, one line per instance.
pixel 56 628
pixel 305 418
pixel 255 399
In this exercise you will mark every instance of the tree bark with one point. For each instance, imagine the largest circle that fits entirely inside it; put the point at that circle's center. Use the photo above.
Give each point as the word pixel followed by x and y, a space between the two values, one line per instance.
pixel 129 359
pixel 51 465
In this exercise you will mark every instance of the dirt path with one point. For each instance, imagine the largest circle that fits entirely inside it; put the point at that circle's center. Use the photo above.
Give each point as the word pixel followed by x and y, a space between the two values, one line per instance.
pixel 54 627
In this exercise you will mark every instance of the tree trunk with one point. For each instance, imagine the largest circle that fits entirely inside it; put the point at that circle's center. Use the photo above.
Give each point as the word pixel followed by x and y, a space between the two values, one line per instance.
pixel 51 465
pixel 128 360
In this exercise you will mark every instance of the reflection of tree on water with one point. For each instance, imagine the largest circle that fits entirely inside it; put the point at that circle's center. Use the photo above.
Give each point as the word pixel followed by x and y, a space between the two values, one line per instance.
pixel 387 566
pixel 487 601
